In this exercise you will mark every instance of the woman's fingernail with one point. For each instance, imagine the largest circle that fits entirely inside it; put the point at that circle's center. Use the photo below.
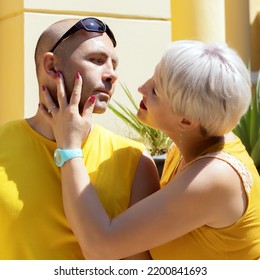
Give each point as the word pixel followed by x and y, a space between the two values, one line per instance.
pixel 78 75
pixel 43 88
pixel 58 74
pixel 92 99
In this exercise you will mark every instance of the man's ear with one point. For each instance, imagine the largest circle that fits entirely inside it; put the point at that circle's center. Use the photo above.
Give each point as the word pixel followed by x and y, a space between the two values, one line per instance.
pixel 49 65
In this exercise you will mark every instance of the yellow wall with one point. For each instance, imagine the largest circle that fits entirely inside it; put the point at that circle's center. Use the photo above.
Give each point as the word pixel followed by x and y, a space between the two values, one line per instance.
pixel 198 20
pixel 214 20
pixel 236 22
pixel 11 67
pixel 238 27
pixel 254 8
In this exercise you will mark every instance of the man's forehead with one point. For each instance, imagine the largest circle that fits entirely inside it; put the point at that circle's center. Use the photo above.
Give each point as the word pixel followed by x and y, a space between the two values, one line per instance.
pixel 99 40
pixel 55 31
pixel 90 43
pixel 103 44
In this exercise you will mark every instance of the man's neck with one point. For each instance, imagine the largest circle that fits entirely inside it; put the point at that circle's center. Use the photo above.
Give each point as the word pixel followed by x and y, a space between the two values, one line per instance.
pixel 38 124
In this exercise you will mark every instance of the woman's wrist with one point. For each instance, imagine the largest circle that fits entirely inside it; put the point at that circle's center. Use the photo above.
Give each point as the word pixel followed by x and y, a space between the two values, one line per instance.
pixel 72 140
pixel 68 145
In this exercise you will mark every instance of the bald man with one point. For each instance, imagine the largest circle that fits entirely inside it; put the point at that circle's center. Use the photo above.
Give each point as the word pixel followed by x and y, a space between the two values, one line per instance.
pixel 33 222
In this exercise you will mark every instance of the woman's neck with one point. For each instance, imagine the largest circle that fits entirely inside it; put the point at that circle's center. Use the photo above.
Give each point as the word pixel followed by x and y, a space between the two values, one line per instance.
pixel 193 148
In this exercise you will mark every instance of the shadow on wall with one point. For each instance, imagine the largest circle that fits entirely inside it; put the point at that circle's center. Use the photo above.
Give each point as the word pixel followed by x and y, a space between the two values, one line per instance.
pixel 255 43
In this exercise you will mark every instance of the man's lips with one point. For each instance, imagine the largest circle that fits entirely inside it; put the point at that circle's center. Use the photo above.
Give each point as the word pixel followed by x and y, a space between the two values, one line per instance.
pixel 105 91
pixel 142 106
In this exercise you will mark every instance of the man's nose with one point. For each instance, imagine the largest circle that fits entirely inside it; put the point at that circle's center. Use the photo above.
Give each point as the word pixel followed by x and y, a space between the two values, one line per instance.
pixel 110 74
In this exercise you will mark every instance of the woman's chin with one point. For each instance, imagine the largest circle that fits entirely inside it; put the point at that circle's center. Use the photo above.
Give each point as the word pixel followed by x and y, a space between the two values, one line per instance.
pixel 141 118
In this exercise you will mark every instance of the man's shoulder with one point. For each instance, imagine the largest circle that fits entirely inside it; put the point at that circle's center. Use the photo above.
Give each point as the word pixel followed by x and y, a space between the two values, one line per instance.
pixel 10 133
pixel 11 126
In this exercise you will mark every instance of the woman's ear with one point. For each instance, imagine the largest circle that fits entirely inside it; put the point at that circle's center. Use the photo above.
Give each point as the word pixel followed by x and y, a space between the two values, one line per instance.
pixel 49 65
pixel 186 124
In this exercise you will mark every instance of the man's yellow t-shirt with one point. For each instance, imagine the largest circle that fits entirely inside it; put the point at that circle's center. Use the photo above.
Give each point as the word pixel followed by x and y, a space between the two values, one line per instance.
pixel 32 220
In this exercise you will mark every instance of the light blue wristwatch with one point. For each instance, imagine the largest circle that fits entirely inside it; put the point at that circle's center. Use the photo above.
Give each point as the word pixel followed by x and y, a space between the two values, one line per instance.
pixel 61 156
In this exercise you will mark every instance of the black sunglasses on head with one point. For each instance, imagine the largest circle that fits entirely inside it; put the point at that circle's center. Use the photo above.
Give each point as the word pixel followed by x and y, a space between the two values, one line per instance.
pixel 89 24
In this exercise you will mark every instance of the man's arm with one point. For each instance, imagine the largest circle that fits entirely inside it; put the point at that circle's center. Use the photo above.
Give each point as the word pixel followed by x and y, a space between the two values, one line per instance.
pixel 146 182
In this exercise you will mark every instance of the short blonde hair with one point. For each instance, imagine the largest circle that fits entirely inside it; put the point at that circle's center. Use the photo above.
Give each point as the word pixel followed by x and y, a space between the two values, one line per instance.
pixel 205 82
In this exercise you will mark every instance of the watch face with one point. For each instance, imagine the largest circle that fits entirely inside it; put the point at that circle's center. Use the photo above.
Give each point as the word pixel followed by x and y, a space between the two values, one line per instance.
pixel 61 156
pixel 57 157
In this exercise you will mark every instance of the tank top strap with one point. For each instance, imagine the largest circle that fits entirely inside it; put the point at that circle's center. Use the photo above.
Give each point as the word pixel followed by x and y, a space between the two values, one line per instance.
pixel 235 163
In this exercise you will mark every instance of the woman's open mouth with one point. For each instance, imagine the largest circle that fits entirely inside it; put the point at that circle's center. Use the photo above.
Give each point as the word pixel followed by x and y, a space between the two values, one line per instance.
pixel 142 106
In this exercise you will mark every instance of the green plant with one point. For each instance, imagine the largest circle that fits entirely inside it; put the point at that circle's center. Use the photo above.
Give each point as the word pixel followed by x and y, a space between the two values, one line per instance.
pixel 248 129
pixel 155 140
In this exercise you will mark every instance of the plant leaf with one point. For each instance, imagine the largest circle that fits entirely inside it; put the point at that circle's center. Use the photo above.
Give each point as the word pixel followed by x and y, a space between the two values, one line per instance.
pixel 155 140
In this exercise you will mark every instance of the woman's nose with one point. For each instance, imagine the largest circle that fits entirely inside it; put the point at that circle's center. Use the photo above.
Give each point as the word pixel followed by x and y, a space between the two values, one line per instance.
pixel 141 89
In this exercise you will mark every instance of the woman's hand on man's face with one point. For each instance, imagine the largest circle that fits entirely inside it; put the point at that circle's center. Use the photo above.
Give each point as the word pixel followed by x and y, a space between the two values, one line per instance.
pixel 69 127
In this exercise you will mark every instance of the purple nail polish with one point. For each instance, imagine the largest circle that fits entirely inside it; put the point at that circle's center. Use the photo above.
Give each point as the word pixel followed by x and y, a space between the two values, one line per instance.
pixel 92 99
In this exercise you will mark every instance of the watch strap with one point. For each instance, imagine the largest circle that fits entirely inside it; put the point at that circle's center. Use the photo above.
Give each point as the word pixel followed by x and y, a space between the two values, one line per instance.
pixel 61 156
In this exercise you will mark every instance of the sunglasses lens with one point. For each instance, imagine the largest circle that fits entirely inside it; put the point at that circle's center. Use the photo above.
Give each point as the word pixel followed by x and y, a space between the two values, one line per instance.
pixel 94 25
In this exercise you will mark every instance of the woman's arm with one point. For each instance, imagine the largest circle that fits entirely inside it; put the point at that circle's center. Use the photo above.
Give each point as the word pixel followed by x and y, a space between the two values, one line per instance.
pixel 190 201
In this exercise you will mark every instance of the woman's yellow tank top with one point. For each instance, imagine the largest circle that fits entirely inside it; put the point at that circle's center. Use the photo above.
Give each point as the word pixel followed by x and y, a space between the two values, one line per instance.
pixel 238 241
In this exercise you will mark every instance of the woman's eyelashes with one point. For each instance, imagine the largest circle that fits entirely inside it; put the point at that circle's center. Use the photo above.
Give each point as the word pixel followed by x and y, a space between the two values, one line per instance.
pixel 154 91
